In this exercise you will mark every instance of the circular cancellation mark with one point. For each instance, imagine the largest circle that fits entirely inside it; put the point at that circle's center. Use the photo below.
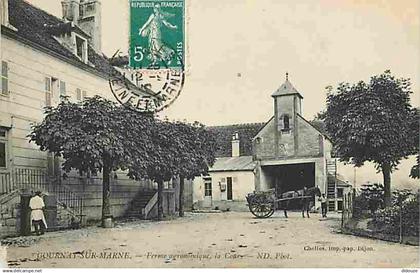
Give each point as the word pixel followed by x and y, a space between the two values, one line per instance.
pixel 149 89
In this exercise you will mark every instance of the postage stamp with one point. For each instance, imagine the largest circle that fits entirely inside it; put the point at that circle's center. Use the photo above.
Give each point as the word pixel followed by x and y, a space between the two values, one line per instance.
pixel 157 34
pixel 155 76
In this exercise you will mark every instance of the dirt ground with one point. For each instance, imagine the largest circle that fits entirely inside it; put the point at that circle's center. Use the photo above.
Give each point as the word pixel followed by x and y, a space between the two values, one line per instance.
pixel 228 239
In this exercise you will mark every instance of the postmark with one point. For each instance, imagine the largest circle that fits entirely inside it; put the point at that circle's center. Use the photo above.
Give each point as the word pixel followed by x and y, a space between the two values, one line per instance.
pixel 155 74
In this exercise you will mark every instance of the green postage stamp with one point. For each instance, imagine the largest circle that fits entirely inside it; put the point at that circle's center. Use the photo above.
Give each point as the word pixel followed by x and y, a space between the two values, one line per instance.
pixel 157 34
pixel 155 74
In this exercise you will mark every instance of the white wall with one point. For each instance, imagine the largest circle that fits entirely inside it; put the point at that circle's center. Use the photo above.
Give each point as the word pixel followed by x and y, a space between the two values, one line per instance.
pixel 242 184
pixel 28 68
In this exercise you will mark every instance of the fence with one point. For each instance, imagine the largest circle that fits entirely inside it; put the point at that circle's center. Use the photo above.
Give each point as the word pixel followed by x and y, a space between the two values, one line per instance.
pixel 398 222
pixel 35 179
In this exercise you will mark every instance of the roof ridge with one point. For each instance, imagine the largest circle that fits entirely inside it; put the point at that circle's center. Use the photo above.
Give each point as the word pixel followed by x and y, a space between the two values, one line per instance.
pixel 237 124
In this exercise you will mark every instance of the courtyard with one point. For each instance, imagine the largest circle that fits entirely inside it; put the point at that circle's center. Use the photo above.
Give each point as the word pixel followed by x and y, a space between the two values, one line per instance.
pixel 230 239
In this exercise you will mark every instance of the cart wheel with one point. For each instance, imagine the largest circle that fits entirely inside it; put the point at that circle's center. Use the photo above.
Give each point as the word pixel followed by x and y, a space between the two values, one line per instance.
pixel 261 210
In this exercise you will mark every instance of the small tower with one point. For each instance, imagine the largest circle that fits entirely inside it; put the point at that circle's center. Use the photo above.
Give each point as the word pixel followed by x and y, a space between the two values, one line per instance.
pixel 287 105
pixel 70 10
pixel 90 21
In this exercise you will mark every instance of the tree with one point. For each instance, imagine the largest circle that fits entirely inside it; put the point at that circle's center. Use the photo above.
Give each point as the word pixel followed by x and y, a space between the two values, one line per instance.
pixel 196 152
pixel 92 136
pixel 373 122
pixel 157 161
pixel 415 170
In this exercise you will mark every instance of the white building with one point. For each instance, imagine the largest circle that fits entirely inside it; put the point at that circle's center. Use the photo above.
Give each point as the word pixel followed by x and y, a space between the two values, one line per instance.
pixel 44 58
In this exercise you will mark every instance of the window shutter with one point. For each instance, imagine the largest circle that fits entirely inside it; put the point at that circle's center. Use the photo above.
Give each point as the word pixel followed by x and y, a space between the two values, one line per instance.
pixel 62 88
pixel 84 94
pixel 47 99
pixel 78 94
pixel 47 91
pixel 48 84
pixel 4 78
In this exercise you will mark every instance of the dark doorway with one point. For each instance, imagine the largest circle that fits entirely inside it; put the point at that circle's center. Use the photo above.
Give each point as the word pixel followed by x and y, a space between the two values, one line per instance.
pixel 229 188
pixel 291 177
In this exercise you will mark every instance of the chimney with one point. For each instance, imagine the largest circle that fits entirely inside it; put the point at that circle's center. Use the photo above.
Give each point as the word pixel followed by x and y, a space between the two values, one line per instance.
pixel 235 145
pixel 70 10
pixel 5 12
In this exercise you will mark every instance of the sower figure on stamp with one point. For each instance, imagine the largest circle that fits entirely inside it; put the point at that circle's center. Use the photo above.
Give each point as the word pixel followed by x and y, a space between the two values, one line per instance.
pixel 324 202
pixel 36 204
pixel 152 29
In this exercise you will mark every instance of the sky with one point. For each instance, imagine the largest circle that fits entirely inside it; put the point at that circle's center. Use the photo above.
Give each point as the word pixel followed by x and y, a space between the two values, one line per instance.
pixel 238 52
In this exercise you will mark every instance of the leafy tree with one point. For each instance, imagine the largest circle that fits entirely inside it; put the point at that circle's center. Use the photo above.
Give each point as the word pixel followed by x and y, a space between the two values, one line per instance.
pixel 159 162
pixel 196 152
pixel 373 122
pixel 92 136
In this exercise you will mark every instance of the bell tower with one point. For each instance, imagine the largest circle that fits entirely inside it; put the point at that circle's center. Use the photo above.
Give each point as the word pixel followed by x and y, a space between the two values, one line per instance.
pixel 86 14
pixel 287 105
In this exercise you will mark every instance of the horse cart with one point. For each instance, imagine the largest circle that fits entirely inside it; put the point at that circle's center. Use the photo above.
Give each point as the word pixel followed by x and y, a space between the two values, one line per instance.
pixel 262 204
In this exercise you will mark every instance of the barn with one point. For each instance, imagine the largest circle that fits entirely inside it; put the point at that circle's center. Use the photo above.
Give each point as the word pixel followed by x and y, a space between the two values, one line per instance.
pixel 285 153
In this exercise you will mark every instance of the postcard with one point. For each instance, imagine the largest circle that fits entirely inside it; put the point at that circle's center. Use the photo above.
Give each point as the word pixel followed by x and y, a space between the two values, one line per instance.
pixel 209 134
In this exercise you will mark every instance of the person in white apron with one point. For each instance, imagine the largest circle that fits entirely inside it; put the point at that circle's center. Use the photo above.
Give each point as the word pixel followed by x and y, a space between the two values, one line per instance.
pixel 37 213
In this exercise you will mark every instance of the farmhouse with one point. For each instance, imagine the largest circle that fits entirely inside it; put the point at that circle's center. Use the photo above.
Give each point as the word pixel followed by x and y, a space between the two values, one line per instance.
pixel 286 153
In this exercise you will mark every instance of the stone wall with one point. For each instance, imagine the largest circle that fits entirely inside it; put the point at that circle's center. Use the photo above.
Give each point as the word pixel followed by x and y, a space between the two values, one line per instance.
pixel 9 214
pixel 309 142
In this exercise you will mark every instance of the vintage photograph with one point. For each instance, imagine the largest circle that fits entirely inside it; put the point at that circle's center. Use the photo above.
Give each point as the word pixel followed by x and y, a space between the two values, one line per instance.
pixel 209 134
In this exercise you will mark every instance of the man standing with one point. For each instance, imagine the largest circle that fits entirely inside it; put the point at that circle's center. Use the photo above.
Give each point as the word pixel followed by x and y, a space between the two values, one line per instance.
pixel 37 214
pixel 323 200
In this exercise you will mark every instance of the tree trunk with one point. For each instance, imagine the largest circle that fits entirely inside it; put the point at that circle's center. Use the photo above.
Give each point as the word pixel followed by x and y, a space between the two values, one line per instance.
pixel 160 195
pixel 106 211
pixel 181 196
pixel 386 171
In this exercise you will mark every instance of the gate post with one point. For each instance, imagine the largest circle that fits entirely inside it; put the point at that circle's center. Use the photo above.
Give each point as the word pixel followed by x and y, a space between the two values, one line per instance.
pixel 25 214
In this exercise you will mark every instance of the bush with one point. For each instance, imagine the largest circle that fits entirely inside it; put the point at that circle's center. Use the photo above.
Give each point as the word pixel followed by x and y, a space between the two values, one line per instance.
pixel 371 198
pixel 388 220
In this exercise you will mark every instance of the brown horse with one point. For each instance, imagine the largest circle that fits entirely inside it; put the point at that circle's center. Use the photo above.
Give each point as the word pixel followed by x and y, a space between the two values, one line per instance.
pixel 305 202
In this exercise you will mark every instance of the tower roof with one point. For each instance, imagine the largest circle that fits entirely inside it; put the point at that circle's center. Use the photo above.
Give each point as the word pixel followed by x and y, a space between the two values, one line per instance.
pixel 286 89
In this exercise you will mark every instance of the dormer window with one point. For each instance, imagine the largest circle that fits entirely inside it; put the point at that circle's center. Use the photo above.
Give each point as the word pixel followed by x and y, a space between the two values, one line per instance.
pixel 81 48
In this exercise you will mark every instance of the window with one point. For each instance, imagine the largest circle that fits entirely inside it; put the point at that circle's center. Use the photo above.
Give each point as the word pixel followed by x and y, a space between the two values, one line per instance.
pixel 62 90
pixel 286 125
pixel 78 94
pixel 229 188
pixel 207 189
pixel 3 148
pixel 4 78
pixel 81 49
pixel 340 205
pixel 339 192
pixel 47 91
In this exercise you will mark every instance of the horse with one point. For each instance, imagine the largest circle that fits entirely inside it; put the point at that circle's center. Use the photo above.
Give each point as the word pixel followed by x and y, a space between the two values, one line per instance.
pixel 305 202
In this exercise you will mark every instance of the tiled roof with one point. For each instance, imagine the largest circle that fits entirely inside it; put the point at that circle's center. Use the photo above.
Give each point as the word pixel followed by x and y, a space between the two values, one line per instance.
pixel 224 137
pixel 239 163
pixel 286 89
pixel 34 25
